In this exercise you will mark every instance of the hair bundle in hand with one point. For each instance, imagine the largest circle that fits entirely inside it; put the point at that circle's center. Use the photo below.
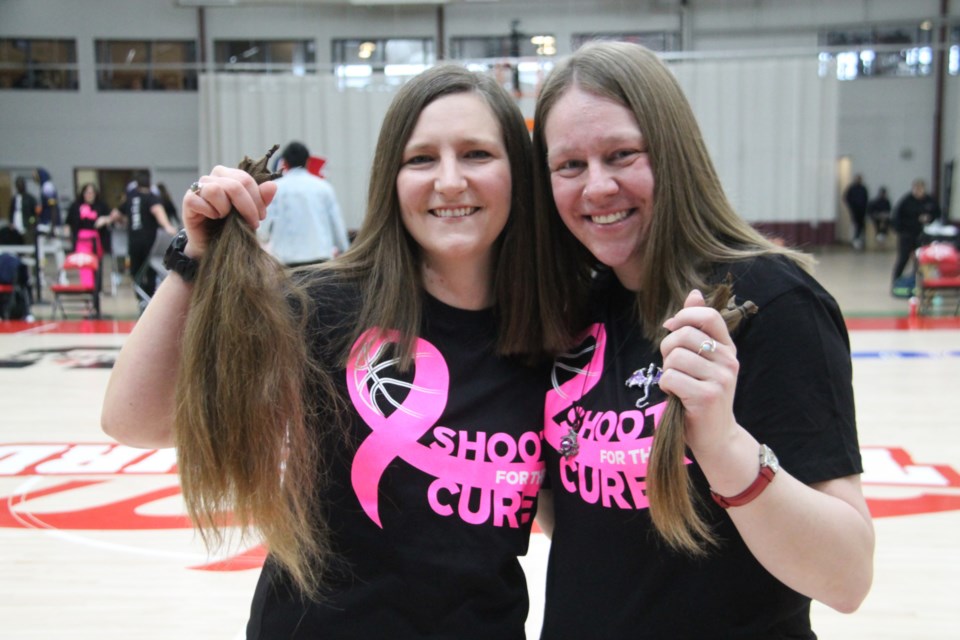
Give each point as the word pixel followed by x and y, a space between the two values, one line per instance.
pixel 246 452
pixel 674 507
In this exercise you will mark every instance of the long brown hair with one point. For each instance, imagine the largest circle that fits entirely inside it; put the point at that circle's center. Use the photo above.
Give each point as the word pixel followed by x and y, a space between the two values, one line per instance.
pixel 386 259
pixel 693 228
pixel 253 402
pixel 246 395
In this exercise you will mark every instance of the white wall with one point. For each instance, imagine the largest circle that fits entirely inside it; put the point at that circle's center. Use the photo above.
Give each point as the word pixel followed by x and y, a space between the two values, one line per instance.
pixel 878 118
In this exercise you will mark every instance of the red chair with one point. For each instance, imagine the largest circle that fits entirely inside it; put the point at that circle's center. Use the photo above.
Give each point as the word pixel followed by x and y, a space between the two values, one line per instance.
pixel 71 284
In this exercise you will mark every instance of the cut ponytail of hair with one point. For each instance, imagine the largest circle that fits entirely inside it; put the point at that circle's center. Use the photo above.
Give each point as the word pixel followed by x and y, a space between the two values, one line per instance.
pixel 675 507
pixel 247 395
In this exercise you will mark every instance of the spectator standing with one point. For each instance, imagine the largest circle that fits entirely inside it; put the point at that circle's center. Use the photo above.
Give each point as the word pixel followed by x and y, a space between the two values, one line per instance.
pixel 48 209
pixel 878 210
pixel 23 211
pixel 856 197
pixel 87 216
pixel 145 216
pixel 304 225
pixel 914 211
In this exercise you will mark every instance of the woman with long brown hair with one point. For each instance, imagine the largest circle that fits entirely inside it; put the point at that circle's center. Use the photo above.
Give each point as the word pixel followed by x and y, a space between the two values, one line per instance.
pixel 376 419
pixel 695 348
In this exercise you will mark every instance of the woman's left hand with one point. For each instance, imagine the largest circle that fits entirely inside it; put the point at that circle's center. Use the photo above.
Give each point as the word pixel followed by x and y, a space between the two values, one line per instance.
pixel 700 368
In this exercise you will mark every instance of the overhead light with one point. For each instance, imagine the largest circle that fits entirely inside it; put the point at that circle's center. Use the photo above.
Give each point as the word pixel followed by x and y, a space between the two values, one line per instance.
pixel 365 50
pixel 546 45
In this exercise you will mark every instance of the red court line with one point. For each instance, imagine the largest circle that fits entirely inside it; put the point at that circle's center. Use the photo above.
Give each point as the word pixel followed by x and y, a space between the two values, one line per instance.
pixel 67 326
pixel 880 323
pixel 903 323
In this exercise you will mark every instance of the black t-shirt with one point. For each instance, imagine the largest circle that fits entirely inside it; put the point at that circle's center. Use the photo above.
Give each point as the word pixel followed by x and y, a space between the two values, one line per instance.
pixel 432 495
pixel 609 576
pixel 143 224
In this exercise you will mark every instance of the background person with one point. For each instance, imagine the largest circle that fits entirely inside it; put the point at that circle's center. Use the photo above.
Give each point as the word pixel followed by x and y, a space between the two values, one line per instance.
pixel 88 217
pixel 627 191
pixel 878 210
pixel 857 197
pixel 145 216
pixel 48 207
pixel 914 211
pixel 305 225
pixel 23 213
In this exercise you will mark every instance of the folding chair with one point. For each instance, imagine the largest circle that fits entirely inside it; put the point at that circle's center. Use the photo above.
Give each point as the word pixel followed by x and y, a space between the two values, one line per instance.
pixel 70 287
pixel 938 277
pixel 15 298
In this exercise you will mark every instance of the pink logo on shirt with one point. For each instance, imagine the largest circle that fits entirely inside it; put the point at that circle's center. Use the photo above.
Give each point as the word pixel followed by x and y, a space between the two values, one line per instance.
pixel 610 467
pixel 481 477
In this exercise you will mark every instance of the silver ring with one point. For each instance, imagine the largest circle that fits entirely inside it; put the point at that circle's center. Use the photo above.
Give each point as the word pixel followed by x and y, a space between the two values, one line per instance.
pixel 195 187
pixel 707 346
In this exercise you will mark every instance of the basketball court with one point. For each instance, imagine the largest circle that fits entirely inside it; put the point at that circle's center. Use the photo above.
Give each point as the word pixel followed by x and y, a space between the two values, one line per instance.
pixel 94 542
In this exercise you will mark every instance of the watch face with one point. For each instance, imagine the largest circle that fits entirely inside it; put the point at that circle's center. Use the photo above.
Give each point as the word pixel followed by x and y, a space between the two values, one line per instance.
pixel 769 459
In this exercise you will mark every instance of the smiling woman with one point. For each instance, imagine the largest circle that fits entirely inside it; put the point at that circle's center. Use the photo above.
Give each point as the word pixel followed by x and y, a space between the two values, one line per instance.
pixel 420 399
pixel 637 235
pixel 602 179
pixel 454 190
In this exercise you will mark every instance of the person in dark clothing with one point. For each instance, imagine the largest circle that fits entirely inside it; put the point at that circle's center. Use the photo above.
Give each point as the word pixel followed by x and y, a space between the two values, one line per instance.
pixel 23 214
pixel 878 210
pixel 634 230
pixel 856 197
pixel 914 211
pixel 87 218
pixel 145 215
pixel 48 211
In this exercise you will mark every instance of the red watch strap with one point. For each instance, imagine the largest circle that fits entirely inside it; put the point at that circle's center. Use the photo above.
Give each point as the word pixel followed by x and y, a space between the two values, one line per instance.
pixel 763 479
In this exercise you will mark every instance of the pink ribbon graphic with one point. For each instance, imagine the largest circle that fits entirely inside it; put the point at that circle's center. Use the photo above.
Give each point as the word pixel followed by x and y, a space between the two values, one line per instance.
pixel 397 435
pixel 606 438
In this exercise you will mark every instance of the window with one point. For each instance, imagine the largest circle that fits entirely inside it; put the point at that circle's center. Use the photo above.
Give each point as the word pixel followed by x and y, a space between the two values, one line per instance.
pixel 266 56
pixel 654 40
pixel 881 51
pixel 27 63
pixel 516 45
pixel 520 77
pixel 356 60
pixel 138 65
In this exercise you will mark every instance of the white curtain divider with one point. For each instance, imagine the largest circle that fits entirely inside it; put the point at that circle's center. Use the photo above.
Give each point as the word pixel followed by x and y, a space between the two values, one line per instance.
pixel 770 125
pixel 771 128
pixel 245 114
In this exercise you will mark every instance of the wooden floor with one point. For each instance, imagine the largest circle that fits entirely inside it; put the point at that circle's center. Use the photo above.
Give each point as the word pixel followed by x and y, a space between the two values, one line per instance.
pixel 93 542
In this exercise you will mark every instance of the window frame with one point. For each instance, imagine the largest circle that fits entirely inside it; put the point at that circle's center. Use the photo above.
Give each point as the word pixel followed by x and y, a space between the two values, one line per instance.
pixel 904 50
pixel 302 58
pixel 150 74
pixel 380 69
pixel 56 73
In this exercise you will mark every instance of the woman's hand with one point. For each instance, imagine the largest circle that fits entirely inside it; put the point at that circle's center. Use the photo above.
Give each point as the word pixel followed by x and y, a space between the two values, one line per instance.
pixel 221 191
pixel 700 368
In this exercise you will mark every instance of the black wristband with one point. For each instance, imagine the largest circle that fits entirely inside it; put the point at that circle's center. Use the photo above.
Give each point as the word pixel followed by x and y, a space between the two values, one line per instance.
pixel 177 261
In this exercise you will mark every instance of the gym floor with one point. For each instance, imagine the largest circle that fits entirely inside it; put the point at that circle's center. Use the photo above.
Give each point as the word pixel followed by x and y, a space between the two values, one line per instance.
pixel 94 543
